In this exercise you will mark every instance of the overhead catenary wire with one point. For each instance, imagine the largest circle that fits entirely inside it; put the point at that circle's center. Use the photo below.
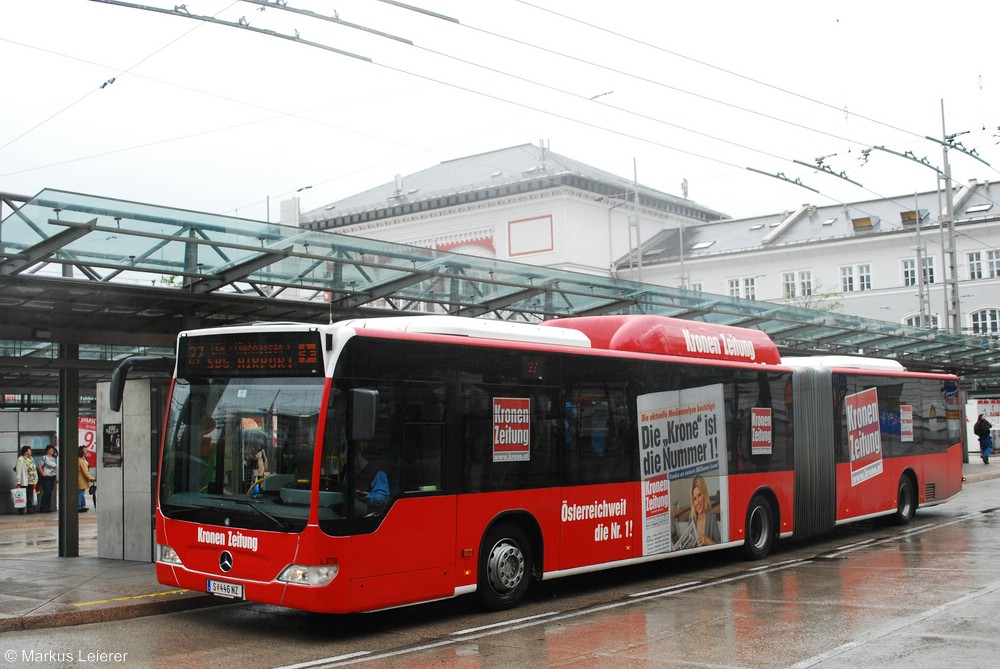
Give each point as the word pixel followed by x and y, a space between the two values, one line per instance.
pixel 796 181
pixel 102 86
pixel 753 80
pixel 428 78
pixel 715 67
pixel 457 22
pixel 667 145
pixel 578 96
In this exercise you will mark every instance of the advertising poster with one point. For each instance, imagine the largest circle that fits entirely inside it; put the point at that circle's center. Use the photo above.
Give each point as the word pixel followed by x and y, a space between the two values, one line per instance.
pixel 112 455
pixel 682 455
pixel 87 430
pixel 864 438
pixel 906 422
pixel 761 437
pixel 511 429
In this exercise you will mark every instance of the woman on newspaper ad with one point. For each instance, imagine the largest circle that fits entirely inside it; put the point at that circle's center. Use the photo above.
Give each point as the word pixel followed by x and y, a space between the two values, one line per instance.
pixel 703 525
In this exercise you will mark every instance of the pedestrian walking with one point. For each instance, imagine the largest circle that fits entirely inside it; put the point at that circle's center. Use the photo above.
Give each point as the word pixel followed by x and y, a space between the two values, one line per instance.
pixel 982 429
pixel 84 479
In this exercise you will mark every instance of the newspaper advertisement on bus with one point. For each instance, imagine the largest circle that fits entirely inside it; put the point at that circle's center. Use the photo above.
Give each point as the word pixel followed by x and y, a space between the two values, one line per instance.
pixel 682 455
pixel 864 435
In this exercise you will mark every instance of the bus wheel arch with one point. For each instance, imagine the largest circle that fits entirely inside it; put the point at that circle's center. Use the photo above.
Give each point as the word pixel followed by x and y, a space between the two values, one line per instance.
pixel 906 498
pixel 509 559
pixel 761 526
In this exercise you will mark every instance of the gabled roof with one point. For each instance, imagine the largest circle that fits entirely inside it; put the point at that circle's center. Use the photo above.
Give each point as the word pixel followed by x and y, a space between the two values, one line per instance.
pixel 809 224
pixel 491 175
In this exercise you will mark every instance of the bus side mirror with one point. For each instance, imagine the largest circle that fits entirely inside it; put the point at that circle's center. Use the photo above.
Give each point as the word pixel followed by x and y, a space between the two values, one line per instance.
pixel 147 363
pixel 363 408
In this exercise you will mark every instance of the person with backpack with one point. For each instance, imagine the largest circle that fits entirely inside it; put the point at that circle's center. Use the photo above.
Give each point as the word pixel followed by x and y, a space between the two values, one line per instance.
pixel 982 430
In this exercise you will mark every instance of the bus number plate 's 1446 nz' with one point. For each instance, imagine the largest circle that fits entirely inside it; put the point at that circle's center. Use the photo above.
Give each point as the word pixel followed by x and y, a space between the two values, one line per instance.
pixel 223 589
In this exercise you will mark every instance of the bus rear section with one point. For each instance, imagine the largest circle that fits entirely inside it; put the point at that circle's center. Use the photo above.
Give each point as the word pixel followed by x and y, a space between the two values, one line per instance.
pixel 891 443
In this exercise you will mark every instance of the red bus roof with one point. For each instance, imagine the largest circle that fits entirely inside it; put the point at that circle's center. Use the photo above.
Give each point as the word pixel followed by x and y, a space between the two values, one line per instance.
pixel 674 336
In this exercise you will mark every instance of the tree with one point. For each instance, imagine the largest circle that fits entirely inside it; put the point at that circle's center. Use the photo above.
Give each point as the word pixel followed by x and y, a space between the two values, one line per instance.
pixel 819 299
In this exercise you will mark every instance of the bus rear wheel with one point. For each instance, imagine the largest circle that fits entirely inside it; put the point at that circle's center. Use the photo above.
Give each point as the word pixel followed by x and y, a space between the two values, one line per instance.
pixel 759 529
pixel 906 502
pixel 504 567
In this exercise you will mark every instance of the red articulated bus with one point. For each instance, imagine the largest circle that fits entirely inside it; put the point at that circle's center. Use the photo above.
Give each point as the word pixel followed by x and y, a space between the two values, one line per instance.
pixel 374 463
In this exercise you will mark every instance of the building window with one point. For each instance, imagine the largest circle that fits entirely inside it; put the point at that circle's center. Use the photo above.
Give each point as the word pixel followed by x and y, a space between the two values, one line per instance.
pixel 864 277
pixel 806 283
pixel 910 271
pixel 745 287
pixel 847 279
pixel 788 284
pixel 696 287
pixel 986 321
pixel 797 284
pixel 858 277
pixel 976 268
pixel 930 321
pixel 975 265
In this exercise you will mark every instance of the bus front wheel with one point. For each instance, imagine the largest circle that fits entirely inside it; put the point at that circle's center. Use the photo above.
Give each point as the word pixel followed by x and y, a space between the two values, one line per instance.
pixel 504 567
pixel 906 503
pixel 759 529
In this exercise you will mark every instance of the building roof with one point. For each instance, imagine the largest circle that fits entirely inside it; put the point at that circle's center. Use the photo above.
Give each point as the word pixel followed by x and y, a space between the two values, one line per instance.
pixel 811 224
pixel 492 175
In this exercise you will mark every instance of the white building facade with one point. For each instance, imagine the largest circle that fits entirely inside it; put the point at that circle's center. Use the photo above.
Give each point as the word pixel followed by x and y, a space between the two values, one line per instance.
pixel 524 204
pixel 860 259
pixel 530 205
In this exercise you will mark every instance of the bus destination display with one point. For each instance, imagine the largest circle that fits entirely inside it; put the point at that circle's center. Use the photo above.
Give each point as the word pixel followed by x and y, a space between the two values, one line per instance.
pixel 260 354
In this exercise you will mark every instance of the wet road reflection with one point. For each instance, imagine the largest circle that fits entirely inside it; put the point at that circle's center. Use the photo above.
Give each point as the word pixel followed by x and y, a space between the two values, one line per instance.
pixel 869 595
pixel 883 596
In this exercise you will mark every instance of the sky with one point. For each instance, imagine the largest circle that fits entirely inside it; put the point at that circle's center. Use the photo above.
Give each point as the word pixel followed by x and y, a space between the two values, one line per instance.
pixel 720 99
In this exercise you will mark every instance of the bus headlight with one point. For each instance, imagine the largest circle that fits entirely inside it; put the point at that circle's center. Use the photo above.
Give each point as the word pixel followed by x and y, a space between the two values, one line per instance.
pixel 167 555
pixel 299 574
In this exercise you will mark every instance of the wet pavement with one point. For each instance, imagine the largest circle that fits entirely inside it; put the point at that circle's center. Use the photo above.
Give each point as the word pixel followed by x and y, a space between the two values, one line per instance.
pixel 39 589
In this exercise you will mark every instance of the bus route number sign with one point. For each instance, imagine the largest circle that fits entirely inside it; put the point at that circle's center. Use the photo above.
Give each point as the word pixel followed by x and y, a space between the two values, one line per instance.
pixel 260 354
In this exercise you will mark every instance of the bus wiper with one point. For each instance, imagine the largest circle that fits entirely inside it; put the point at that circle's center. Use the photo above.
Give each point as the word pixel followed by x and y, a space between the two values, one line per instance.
pixel 282 525
pixel 186 511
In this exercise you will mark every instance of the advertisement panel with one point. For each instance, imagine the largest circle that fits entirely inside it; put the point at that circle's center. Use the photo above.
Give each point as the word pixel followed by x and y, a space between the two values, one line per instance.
pixel 761 436
pixel 864 437
pixel 682 455
pixel 511 429
pixel 87 430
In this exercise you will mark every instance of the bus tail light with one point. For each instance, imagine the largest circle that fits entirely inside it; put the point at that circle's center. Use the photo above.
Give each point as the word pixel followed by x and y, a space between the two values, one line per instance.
pixel 167 555
pixel 299 574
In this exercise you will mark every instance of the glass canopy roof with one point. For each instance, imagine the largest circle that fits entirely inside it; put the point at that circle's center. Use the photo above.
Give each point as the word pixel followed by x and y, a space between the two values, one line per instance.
pixel 94 242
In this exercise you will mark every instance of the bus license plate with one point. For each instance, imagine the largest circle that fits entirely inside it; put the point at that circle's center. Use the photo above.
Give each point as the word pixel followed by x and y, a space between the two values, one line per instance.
pixel 224 589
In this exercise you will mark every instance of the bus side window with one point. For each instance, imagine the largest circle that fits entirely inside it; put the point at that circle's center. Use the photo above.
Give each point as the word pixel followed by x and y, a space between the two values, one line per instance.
pixel 424 437
pixel 473 449
pixel 422 462
pixel 598 434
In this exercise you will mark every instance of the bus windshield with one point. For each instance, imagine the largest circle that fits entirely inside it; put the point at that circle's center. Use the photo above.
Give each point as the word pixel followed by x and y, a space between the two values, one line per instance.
pixel 239 451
